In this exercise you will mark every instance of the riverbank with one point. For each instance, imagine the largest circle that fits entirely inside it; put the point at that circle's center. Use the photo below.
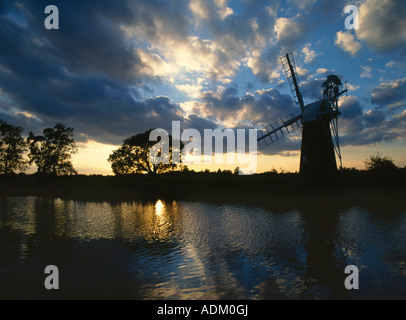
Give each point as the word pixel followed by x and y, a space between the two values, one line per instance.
pixel 203 186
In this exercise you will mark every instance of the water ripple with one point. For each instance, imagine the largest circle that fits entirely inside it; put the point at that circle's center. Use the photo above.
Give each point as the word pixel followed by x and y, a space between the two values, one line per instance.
pixel 196 250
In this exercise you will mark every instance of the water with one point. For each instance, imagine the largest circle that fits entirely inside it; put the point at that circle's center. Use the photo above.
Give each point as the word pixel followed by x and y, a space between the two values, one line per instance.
pixel 198 250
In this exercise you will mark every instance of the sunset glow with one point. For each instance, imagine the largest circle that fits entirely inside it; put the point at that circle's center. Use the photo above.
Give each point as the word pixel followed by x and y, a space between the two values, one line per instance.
pixel 113 70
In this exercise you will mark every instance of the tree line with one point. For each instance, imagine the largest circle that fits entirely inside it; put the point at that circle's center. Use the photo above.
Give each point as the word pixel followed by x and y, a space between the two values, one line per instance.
pixel 52 152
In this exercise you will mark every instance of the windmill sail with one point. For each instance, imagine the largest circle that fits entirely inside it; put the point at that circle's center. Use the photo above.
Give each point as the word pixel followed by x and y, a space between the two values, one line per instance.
pixel 319 122
pixel 289 67
pixel 278 130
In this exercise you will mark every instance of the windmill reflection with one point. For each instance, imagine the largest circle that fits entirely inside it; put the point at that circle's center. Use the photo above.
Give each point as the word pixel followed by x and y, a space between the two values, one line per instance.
pixel 188 250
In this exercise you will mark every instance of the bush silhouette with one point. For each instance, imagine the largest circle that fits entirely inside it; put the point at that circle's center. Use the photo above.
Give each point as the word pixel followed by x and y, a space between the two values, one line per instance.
pixel 380 163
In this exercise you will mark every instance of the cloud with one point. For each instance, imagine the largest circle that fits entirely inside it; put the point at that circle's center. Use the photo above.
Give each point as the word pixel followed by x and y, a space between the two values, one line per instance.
pixel 353 130
pixel 390 95
pixel 311 89
pixel 290 31
pixel 224 109
pixel 286 34
pixel 392 64
pixel 223 10
pixel 303 4
pixel 374 117
pixel 322 71
pixel 302 73
pixel 371 127
pixel 23 119
pixel 115 70
pixel 382 25
pixel 366 72
pixel 227 109
pixel 229 41
pixel 96 101
pixel 200 9
pixel 347 42
pixel 92 73
pixel 310 55
pixel 82 74
pixel 90 39
pixel 352 87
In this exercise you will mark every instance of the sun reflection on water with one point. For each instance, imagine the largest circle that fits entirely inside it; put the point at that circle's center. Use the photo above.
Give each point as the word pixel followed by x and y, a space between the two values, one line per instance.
pixel 159 208
pixel 196 250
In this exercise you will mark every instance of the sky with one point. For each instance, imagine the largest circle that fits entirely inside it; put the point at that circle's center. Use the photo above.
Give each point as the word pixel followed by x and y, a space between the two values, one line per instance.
pixel 117 68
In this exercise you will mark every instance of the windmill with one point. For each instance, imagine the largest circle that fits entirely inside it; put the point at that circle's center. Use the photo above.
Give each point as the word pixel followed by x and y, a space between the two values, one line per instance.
pixel 318 120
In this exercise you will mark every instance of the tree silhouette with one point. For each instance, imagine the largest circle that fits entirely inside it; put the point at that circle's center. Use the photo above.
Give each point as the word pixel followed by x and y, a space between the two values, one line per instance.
pixel 12 148
pixel 51 152
pixel 136 156
pixel 380 163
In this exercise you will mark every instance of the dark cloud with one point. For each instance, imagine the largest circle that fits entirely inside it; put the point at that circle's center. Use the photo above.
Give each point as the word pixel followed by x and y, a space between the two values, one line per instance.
pixel 390 94
pixel 28 123
pixel 91 73
pixel 351 109
pixel 312 89
pixel 90 39
pixel 198 123
pixel 250 111
pixel 361 128
pixel 374 118
pixel 264 107
pixel 351 122
pixel 382 25
pixel 272 105
pixel 80 74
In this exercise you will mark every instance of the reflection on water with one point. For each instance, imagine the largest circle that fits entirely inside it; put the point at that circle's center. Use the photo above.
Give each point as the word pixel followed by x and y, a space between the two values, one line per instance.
pixel 196 250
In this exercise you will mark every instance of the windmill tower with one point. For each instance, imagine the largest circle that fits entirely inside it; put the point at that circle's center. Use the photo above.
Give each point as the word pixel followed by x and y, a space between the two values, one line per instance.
pixel 319 122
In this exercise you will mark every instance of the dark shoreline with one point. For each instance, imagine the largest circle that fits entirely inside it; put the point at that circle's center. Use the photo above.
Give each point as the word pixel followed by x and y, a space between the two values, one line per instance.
pixel 282 190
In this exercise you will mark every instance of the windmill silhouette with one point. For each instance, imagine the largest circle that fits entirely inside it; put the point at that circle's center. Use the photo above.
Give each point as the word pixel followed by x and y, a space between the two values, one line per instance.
pixel 319 123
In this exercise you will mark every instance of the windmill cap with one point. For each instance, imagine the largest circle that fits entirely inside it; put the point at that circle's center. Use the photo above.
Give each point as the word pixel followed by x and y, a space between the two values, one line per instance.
pixel 332 78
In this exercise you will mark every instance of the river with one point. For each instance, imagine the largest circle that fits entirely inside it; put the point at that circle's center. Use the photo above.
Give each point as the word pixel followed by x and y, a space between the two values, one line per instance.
pixel 199 250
